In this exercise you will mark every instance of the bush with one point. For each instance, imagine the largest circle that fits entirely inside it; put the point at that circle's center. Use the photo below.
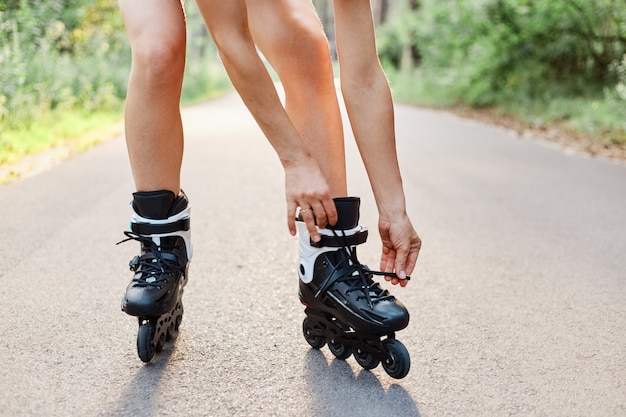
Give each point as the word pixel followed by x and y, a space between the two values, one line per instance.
pixel 483 52
pixel 62 58
pixel 59 57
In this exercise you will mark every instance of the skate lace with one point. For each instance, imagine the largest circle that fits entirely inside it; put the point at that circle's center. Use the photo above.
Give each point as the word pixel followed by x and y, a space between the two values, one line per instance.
pixel 151 266
pixel 357 276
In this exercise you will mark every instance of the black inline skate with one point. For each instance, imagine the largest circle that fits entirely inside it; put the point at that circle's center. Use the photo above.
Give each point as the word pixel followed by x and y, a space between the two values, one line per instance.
pixel 161 224
pixel 345 308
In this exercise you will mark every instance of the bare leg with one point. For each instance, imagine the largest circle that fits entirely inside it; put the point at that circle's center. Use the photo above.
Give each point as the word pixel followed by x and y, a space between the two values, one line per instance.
pixel 154 133
pixel 290 35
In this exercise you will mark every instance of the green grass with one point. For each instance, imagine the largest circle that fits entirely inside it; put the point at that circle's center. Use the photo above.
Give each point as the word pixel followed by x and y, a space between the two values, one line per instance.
pixel 63 81
pixel 57 128
pixel 80 129
pixel 597 115
pixel 203 82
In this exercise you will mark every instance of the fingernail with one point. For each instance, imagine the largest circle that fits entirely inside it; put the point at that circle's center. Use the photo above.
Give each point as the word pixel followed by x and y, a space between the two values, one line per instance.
pixel 402 275
pixel 316 238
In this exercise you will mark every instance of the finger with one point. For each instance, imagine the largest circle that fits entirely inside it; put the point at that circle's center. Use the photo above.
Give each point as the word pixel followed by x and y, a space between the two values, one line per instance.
pixel 411 261
pixel 413 254
pixel 400 264
pixel 309 220
pixel 331 211
pixel 319 214
pixel 383 258
pixel 391 261
pixel 291 217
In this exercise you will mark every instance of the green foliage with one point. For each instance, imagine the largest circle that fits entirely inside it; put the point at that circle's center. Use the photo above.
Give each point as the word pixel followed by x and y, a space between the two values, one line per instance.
pixel 619 69
pixel 64 57
pixel 539 61
pixel 58 55
pixel 482 52
pixel 204 74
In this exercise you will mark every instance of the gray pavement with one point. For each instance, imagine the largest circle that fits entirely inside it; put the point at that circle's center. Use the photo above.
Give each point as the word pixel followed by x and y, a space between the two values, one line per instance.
pixel 517 305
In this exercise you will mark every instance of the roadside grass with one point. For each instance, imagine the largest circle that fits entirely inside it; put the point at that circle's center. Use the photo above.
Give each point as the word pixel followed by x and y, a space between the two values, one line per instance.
pixel 66 132
pixel 55 136
pixel 55 129
pixel 593 122
pixel 63 79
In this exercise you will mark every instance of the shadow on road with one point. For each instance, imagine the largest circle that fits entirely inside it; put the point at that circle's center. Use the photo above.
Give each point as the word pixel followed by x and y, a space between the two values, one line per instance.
pixel 336 390
pixel 140 396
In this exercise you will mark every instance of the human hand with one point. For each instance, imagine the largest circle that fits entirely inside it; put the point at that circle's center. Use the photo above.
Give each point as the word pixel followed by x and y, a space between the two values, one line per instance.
pixel 401 246
pixel 305 187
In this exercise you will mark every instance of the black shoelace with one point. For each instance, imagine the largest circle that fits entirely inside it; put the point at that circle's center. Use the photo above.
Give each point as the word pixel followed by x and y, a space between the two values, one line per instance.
pixel 358 277
pixel 151 265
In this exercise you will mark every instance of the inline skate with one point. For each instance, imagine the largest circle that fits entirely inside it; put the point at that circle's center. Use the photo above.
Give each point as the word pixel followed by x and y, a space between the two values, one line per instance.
pixel 345 307
pixel 160 223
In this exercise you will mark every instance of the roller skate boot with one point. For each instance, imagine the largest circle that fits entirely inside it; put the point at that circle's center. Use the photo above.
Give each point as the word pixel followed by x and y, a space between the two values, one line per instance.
pixel 161 225
pixel 345 307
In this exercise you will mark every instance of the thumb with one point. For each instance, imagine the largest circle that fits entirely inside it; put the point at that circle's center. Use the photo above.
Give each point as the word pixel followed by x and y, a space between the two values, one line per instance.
pixel 400 265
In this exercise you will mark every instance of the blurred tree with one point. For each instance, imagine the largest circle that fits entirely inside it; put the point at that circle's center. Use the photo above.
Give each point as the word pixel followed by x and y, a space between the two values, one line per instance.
pixel 381 11
pixel 484 48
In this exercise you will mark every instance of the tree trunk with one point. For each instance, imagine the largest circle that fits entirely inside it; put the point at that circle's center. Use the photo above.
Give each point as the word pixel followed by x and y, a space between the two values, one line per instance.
pixel 410 52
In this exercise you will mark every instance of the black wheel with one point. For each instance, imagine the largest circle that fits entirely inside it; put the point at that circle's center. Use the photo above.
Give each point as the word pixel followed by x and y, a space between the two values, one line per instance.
pixel 145 343
pixel 316 342
pixel 366 359
pixel 399 362
pixel 340 351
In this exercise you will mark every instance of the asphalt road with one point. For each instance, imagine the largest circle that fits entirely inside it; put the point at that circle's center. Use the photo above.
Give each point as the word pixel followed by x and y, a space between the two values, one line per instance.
pixel 517 305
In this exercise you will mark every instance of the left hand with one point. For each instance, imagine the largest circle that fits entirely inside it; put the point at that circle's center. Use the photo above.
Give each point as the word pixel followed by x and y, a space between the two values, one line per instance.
pixel 401 247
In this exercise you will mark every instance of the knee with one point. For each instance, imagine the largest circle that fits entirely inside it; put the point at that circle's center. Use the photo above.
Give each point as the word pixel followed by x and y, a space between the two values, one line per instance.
pixel 159 61
pixel 310 43
pixel 304 51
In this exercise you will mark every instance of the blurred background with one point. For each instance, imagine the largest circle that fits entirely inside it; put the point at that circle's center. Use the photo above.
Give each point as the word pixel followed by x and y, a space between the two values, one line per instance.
pixel 541 65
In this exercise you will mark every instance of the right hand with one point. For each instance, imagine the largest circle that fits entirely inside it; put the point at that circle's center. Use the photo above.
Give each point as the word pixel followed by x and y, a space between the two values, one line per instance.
pixel 306 187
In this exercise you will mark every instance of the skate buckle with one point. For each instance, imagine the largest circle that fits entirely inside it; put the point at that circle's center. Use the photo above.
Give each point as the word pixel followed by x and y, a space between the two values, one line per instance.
pixel 133 264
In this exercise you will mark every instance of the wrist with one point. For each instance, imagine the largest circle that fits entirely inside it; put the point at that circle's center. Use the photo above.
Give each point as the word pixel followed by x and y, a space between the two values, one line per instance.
pixel 296 160
pixel 392 214
pixel 392 208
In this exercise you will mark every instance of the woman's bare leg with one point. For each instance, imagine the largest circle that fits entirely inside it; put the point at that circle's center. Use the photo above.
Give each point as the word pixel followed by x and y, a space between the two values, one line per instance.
pixel 154 133
pixel 290 35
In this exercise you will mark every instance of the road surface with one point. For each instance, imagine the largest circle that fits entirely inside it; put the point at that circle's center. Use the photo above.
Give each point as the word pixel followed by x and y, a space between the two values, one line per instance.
pixel 518 304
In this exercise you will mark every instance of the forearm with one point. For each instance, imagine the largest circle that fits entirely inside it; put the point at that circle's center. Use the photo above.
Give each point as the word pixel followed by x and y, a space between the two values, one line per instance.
pixel 256 89
pixel 369 104
pixel 370 109
pixel 228 26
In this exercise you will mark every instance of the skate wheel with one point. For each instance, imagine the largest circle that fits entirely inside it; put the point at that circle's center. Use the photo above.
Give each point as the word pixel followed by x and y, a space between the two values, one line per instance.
pixel 366 359
pixel 399 362
pixel 316 342
pixel 339 350
pixel 145 343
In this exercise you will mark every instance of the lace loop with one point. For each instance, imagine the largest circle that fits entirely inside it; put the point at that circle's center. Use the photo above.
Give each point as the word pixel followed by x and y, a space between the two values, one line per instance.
pixel 356 275
pixel 156 261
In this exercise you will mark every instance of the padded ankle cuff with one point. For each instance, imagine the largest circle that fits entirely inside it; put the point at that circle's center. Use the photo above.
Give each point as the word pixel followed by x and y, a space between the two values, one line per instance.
pixel 159 205
pixel 348 209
